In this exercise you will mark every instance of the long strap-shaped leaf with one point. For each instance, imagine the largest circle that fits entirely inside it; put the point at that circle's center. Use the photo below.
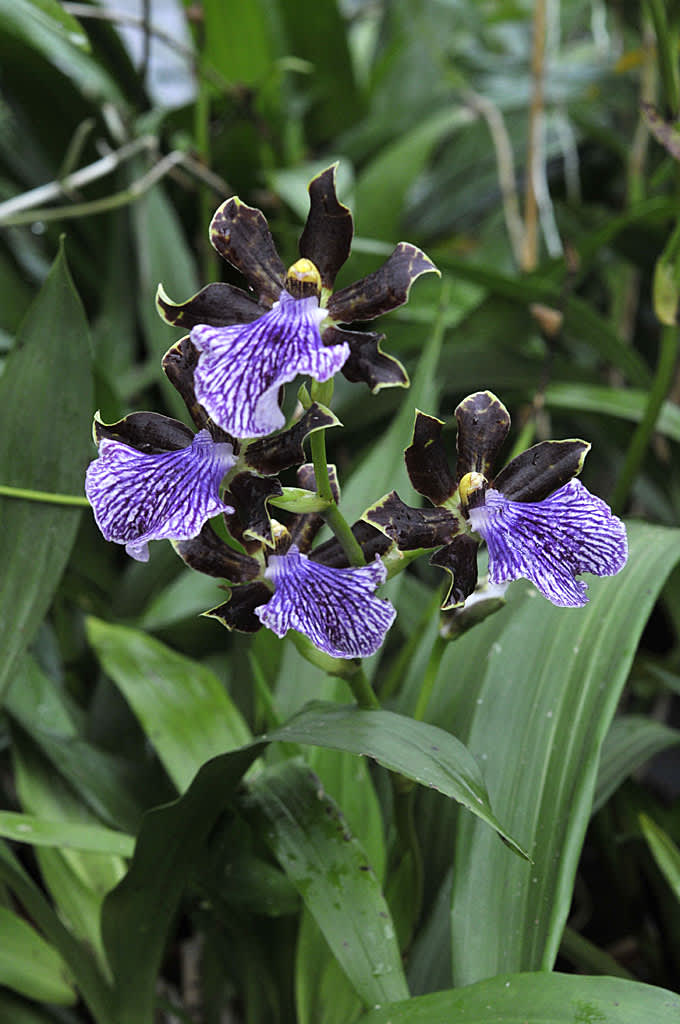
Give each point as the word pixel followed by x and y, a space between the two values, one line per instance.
pixel 530 998
pixel 540 705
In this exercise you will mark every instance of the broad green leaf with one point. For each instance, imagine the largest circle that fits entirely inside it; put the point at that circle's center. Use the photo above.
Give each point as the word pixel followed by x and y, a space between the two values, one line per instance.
pixel 30 965
pixel 47 28
pixel 76 880
pixel 25 15
pixel 541 998
pixel 45 410
pixel 138 914
pixel 19 1011
pixel 323 992
pixel 78 957
pixel 627 404
pixel 237 41
pixel 163 257
pixel 29 828
pixel 631 741
pixel 420 751
pixel 182 706
pixel 665 852
pixel 540 703
pixel 328 866
pixel 187 596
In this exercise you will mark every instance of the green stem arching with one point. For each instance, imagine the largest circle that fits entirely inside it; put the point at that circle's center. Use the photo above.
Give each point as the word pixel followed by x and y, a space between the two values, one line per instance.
pixel 44 496
pixel 430 677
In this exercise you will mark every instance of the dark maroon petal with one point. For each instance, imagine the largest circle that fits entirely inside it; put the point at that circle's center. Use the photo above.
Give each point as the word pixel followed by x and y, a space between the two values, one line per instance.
pixel 412 528
pixel 209 554
pixel 459 558
pixel 218 305
pixel 483 425
pixel 240 234
pixel 367 362
pixel 148 432
pixel 238 611
pixel 271 455
pixel 371 541
pixel 179 363
pixel 383 290
pixel 250 494
pixel 427 461
pixel 327 235
pixel 540 470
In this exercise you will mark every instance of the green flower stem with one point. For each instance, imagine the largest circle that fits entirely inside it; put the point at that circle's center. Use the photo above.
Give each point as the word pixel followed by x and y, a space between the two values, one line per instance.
pixel 430 677
pixel 362 691
pixel 668 353
pixel 332 515
pixel 44 496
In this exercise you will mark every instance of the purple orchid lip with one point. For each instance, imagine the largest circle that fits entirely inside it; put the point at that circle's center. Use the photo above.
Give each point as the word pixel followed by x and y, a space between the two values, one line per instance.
pixel 241 368
pixel 335 608
pixel 550 542
pixel 138 497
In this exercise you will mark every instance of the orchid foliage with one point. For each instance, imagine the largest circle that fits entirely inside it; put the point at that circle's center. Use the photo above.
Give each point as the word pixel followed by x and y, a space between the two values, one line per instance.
pixel 155 479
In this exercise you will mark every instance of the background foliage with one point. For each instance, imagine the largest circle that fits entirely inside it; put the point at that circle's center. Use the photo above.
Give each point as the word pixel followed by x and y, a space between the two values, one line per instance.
pixel 163 858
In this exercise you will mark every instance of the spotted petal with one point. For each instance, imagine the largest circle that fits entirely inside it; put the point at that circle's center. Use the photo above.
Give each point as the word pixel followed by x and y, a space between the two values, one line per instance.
pixel 137 497
pixel 549 542
pixel 335 608
pixel 241 368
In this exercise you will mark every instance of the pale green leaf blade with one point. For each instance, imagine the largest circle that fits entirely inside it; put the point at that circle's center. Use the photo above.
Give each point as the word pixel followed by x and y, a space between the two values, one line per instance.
pixel 329 868
pixel 30 828
pixel 631 741
pixel 665 852
pixel 540 998
pixel 422 752
pixel 540 704
pixel 184 709
pixel 45 430
pixel 30 965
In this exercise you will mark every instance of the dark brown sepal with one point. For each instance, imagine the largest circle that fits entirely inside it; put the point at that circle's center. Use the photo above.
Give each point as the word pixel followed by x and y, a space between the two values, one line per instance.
pixel 240 233
pixel 483 425
pixel 385 289
pixel 271 455
pixel 459 558
pixel 250 494
pixel 148 432
pixel 238 612
pixel 218 305
pixel 540 470
pixel 209 554
pixel 427 460
pixel 371 541
pixel 304 528
pixel 367 362
pixel 412 528
pixel 327 235
pixel 179 363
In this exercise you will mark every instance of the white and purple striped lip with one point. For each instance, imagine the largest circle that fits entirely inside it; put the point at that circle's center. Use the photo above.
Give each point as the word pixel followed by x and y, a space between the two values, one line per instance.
pixel 550 542
pixel 138 497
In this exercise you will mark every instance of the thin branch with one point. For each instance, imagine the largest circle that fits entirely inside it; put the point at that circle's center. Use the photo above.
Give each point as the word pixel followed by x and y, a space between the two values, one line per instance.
pixel 534 157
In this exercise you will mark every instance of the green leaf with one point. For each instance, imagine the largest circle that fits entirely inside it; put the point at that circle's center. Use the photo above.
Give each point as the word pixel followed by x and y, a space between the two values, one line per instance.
pixel 45 411
pixel 30 965
pixel 323 992
pixel 29 828
pixel 138 914
pixel 631 741
pixel 627 404
pixel 328 867
pixel 24 17
pixel 182 706
pixel 421 752
pixel 665 852
pixel 540 702
pixel 533 998
pixel 78 957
